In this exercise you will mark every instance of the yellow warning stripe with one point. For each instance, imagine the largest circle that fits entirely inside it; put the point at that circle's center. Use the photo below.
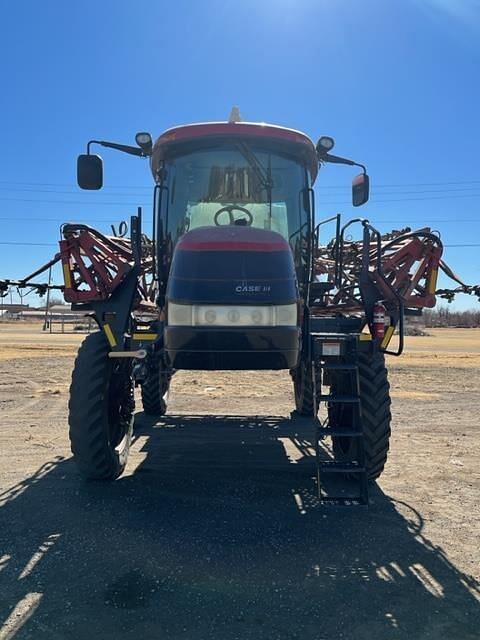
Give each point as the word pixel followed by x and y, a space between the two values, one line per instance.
pixel 66 276
pixel 432 283
pixel 109 334
pixel 145 335
pixel 387 337
pixel 365 336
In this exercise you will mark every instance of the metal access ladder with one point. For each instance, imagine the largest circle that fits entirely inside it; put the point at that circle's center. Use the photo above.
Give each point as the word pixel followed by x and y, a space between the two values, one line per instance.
pixel 339 353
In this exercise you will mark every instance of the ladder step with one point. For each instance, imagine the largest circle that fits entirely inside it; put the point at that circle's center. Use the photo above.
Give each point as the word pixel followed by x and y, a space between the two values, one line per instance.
pixel 339 433
pixel 338 399
pixel 340 467
pixel 334 366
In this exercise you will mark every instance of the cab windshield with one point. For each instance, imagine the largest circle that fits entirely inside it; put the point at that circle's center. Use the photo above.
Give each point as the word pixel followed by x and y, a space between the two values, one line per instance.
pixel 242 186
pixel 237 185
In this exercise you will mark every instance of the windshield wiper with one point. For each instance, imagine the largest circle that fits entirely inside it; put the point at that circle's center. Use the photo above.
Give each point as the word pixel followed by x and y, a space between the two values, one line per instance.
pixel 263 175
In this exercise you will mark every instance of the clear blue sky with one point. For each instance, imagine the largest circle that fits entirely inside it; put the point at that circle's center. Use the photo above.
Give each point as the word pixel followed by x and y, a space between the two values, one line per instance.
pixel 395 82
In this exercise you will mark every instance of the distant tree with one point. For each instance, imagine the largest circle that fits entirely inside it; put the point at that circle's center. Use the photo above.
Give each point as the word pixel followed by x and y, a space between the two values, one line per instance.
pixel 444 317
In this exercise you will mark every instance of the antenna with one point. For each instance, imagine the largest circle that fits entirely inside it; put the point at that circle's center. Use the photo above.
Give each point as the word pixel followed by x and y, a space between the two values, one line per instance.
pixel 235 115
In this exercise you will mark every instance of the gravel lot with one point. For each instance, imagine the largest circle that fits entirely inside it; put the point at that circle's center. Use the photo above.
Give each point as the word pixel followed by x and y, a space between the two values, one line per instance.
pixel 215 531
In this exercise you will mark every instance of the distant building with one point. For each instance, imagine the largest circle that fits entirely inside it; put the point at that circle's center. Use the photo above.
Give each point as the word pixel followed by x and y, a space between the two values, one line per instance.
pixel 13 308
pixel 12 311
pixel 63 309
pixel 55 312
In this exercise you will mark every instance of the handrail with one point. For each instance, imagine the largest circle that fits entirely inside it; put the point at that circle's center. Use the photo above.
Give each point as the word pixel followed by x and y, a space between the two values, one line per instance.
pixel 401 307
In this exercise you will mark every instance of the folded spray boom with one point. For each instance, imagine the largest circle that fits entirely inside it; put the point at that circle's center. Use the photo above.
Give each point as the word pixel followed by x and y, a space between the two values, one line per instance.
pixel 93 266
pixel 397 265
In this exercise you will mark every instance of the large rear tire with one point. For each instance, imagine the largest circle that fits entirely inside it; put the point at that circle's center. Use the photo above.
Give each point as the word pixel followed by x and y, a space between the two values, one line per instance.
pixel 155 389
pixel 303 389
pixel 100 410
pixel 376 416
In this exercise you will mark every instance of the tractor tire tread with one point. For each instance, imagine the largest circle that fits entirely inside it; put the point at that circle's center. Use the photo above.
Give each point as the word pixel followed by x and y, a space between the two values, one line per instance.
pixel 376 415
pixel 303 390
pixel 87 413
pixel 153 392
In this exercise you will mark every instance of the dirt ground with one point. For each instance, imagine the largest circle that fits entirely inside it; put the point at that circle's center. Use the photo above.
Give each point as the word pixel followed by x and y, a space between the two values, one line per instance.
pixel 215 531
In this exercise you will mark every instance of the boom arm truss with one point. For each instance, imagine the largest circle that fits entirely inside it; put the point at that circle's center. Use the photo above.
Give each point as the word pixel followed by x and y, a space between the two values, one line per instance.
pixel 398 268
pixel 400 265
pixel 94 265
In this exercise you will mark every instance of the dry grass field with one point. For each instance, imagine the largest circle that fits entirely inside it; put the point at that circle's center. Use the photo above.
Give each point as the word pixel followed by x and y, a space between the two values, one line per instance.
pixel 214 531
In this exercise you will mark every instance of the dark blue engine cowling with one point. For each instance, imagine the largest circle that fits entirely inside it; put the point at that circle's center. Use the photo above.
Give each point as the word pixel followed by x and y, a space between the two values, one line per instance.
pixel 233 270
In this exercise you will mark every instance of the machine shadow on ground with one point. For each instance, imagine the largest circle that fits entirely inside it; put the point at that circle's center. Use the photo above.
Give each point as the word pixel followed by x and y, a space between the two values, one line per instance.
pixel 218 534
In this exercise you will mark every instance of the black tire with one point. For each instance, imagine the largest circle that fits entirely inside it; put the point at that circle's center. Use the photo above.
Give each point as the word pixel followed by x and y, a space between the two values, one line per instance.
pixel 155 390
pixel 303 388
pixel 100 410
pixel 376 416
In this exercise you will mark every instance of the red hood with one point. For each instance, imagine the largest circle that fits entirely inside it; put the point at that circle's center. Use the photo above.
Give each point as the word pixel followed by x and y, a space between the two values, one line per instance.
pixel 232 238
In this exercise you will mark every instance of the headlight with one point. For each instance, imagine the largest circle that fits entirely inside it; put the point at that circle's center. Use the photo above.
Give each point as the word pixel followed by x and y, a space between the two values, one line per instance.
pixel 180 315
pixel 186 315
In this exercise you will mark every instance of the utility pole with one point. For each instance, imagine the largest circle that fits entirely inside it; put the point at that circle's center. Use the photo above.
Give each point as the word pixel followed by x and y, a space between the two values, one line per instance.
pixel 47 302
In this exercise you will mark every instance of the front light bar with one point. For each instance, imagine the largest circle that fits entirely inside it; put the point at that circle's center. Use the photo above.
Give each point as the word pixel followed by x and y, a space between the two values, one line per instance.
pixel 186 315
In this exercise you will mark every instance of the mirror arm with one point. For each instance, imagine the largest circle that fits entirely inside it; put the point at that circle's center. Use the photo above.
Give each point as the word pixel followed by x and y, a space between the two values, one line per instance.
pixel 362 167
pixel 134 151
pixel 328 157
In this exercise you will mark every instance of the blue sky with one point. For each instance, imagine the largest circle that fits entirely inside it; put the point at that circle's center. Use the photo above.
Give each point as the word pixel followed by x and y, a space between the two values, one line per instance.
pixel 394 82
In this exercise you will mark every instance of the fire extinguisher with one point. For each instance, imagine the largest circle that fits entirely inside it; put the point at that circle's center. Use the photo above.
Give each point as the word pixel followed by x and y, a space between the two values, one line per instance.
pixel 379 320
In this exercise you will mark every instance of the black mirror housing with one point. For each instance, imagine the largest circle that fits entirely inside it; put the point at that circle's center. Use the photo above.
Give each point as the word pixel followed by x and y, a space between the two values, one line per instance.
pixel 90 172
pixel 360 189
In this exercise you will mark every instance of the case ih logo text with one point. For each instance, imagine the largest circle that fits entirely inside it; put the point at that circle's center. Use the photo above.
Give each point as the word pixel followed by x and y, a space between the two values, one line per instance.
pixel 244 287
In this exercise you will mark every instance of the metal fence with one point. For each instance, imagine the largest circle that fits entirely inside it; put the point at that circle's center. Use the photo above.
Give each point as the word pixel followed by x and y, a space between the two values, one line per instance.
pixel 69 323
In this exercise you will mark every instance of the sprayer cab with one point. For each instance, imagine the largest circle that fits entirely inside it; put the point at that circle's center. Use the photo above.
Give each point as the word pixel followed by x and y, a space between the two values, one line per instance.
pixel 233 222
pixel 233 236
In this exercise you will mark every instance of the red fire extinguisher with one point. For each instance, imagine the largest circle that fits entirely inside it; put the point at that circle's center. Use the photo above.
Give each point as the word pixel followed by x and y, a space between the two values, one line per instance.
pixel 379 320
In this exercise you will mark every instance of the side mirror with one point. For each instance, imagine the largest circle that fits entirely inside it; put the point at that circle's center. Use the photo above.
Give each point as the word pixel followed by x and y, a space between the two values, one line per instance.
pixel 89 172
pixel 360 189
